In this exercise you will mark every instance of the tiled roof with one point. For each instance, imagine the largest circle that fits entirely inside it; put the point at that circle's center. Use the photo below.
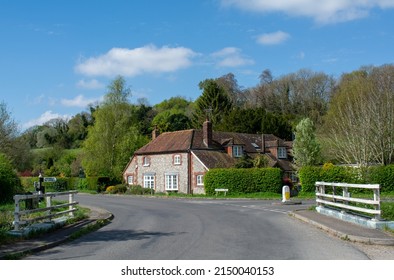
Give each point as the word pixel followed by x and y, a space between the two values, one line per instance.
pixel 215 155
pixel 215 159
pixel 176 141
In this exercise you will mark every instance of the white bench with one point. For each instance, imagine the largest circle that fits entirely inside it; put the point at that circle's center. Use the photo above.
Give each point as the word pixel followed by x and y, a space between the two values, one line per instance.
pixel 221 190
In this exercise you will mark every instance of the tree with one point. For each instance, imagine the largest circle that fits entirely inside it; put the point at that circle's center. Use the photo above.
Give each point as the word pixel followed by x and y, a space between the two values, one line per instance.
pixel 114 136
pixel 9 180
pixel 213 103
pixel 306 149
pixel 8 130
pixel 359 126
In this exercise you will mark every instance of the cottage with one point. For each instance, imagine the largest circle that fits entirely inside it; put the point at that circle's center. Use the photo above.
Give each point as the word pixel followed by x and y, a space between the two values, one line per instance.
pixel 177 161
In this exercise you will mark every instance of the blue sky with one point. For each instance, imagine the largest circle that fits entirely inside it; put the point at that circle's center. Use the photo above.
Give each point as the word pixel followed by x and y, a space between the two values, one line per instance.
pixel 58 56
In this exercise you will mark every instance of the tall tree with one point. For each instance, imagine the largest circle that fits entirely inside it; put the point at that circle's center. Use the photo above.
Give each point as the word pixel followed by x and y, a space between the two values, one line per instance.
pixel 213 103
pixel 8 129
pixel 114 136
pixel 306 149
pixel 360 122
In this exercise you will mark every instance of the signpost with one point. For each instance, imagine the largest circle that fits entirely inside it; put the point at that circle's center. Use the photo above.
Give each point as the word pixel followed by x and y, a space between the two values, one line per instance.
pixel 49 179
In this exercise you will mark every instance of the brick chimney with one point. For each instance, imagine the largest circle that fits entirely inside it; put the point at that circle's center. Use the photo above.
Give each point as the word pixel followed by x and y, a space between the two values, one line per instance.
pixel 262 143
pixel 155 133
pixel 207 133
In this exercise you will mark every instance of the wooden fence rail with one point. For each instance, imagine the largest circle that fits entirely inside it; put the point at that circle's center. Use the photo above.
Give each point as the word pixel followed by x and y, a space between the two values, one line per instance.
pixel 33 199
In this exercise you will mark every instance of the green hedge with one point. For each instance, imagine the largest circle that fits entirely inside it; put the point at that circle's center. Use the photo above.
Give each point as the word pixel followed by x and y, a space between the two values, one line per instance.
pixel 72 183
pixel 238 180
pixel 383 175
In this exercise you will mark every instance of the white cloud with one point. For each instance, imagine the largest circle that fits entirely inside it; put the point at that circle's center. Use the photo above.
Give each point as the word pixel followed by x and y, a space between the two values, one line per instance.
pixel 47 116
pixel 274 38
pixel 79 101
pixel 231 57
pixel 90 84
pixel 322 11
pixel 133 62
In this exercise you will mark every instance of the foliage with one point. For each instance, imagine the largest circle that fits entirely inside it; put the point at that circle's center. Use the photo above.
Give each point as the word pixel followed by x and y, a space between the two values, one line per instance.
pixel 255 121
pixel 383 175
pixel 359 126
pixel 114 136
pixel 139 190
pixel 243 180
pixel 9 180
pixel 118 189
pixel 306 150
pixel 308 176
pixel 213 103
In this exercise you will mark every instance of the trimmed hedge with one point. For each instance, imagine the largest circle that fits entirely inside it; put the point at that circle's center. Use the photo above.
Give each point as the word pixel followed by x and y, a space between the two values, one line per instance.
pixel 97 184
pixel 238 180
pixel 383 175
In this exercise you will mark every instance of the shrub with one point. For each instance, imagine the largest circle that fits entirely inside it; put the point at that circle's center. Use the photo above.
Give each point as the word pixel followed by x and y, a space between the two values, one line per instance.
pixel 308 176
pixel 9 180
pixel 138 190
pixel 249 180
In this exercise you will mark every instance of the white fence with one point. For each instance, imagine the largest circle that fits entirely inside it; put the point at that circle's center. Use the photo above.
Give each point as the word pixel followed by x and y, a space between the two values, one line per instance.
pixel 33 199
pixel 327 194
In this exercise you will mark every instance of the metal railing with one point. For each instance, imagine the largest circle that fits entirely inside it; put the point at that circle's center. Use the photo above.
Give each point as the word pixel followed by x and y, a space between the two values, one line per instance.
pixel 345 201
pixel 33 199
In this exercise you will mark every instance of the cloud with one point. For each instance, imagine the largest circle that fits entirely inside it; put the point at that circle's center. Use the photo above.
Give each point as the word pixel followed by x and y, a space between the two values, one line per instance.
pixel 47 116
pixel 274 38
pixel 91 84
pixel 79 101
pixel 133 62
pixel 230 57
pixel 323 11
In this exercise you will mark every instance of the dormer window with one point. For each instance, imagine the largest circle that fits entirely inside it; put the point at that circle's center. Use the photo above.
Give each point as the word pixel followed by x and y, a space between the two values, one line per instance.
pixel 177 160
pixel 237 151
pixel 146 161
pixel 282 153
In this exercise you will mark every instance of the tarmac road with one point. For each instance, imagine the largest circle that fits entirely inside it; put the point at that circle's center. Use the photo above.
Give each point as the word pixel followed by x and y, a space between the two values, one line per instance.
pixel 170 229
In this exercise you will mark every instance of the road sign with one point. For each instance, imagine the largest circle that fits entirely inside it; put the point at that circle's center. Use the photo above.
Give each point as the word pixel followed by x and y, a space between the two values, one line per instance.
pixel 50 179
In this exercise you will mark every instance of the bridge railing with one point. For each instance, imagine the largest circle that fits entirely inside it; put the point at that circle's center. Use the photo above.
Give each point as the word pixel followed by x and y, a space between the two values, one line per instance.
pixel 329 194
pixel 32 199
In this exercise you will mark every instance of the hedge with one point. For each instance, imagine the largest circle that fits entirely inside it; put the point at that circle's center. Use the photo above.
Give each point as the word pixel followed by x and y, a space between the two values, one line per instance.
pixel 239 180
pixel 98 184
pixel 383 175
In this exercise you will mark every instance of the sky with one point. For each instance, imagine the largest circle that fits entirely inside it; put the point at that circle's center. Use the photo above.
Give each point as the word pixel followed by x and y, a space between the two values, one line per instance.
pixel 58 56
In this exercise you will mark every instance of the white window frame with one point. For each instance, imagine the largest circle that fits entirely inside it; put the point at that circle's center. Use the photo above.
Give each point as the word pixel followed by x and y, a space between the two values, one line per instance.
pixel 149 181
pixel 177 160
pixel 172 181
pixel 237 151
pixel 130 180
pixel 282 152
pixel 200 180
pixel 146 161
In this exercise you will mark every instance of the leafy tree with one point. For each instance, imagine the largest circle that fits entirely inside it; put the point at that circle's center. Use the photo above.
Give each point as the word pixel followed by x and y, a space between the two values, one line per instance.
pixel 359 126
pixel 8 130
pixel 306 149
pixel 213 103
pixel 9 180
pixel 114 137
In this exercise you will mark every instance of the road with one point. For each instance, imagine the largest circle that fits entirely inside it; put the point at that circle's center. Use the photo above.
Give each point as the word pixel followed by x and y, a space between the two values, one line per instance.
pixel 186 229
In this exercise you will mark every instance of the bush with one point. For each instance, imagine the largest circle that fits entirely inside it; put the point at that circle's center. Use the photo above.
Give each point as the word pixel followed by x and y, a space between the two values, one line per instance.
pixel 249 180
pixel 139 190
pixel 116 189
pixel 383 175
pixel 308 176
pixel 9 180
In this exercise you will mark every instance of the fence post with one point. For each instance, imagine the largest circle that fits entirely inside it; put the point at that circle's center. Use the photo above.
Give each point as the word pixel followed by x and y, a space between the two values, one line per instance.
pixel 376 197
pixel 49 204
pixel 71 200
pixel 16 213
